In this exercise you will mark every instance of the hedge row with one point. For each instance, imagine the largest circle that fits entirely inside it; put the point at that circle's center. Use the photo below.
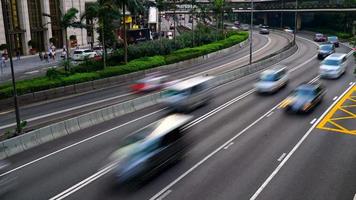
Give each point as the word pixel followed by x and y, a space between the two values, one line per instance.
pixel 58 78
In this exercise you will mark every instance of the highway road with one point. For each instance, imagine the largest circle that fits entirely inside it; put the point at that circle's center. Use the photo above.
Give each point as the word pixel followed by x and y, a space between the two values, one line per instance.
pixel 43 113
pixel 244 147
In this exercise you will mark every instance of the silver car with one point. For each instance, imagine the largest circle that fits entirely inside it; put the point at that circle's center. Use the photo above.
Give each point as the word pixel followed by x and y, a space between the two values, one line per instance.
pixel 334 66
pixel 272 80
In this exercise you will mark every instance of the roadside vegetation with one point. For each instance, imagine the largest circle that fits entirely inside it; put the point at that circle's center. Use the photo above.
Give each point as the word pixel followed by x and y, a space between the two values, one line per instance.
pixel 141 56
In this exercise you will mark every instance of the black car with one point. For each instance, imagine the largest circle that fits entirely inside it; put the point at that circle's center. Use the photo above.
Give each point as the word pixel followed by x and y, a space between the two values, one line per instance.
pixel 264 30
pixel 150 149
pixel 325 50
pixel 304 98
pixel 334 40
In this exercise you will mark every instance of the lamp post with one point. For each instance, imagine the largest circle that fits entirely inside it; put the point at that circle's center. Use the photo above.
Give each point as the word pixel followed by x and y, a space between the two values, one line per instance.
pixel 8 33
pixel 295 21
pixel 251 27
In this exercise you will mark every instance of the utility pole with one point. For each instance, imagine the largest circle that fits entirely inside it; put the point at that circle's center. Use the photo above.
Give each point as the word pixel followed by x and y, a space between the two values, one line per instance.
pixel 8 33
pixel 125 36
pixel 251 28
pixel 174 21
pixel 295 22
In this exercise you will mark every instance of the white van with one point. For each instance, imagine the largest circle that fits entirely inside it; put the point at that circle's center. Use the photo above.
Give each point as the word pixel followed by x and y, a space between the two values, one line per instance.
pixel 334 66
pixel 188 94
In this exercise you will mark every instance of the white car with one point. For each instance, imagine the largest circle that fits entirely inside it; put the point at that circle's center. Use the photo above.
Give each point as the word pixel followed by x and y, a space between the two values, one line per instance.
pixel 82 54
pixel 333 66
pixel 272 80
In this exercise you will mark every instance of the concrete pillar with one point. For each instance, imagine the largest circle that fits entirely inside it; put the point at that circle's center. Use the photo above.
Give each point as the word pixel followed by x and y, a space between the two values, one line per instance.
pixel 2 27
pixel 46 20
pixel 354 28
pixel 299 21
pixel 265 19
pixel 25 24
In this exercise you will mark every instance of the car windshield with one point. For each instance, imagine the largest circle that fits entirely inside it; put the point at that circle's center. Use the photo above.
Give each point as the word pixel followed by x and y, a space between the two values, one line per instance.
pixel 325 47
pixel 78 52
pixel 331 62
pixel 140 135
pixel 268 77
pixel 319 35
pixel 332 39
pixel 172 92
pixel 87 51
pixel 304 92
pixel 265 27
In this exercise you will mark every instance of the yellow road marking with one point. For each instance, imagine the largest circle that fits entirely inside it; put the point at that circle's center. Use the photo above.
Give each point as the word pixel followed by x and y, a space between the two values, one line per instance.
pixel 337 125
pixel 341 118
pixel 348 106
pixel 348 112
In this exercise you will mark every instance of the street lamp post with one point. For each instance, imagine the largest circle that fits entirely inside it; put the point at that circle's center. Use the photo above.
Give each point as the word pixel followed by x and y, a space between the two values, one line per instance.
pixel 251 28
pixel 295 21
pixel 8 38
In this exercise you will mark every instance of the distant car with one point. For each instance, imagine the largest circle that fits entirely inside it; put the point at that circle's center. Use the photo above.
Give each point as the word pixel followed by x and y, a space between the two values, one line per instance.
pixel 264 30
pixel 82 54
pixel 150 83
pixel 150 149
pixel 334 66
pixel 245 27
pixel 334 40
pixel 304 98
pixel 319 37
pixel 325 50
pixel 272 80
pixel 237 24
pixel 8 181
pixel 288 30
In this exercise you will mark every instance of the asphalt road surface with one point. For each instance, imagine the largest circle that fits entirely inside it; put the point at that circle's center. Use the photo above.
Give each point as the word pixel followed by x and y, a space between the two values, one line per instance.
pixel 245 147
pixel 43 113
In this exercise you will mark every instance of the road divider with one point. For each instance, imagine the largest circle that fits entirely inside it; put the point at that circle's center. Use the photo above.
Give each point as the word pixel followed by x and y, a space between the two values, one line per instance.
pixel 34 138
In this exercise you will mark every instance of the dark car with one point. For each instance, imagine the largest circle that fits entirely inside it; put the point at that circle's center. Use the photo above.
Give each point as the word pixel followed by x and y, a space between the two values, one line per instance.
pixel 325 50
pixel 334 40
pixel 319 37
pixel 304 98
pixel 150 149
pixel 264 30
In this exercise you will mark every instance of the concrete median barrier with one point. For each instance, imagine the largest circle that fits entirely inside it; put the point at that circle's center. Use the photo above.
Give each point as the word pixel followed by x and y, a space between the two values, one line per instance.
pixel 84 121
pixel 118 110
pixel 30 140
pixel 2 151
pixel 108 113
pixel 58 130
pixel 13 146
pixel 96 117
pixel 44 134
pixel 72 125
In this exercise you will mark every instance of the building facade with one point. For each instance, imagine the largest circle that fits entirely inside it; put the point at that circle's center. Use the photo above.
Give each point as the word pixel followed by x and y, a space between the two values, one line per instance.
pixel 34 24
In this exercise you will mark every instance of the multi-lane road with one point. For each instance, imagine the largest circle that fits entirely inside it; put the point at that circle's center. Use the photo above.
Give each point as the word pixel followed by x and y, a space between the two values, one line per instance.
pixel 244 147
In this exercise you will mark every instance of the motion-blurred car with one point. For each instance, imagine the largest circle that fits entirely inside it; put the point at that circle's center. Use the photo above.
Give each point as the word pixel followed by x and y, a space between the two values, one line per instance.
pixel 304 98
pixel 288 30
pixel 7 182
pixel 150 83
pixel 150 149
pixel 325 50
pixel 334 66
pixel 319 37
pixel 272 80
pixel 245 27
pixel 189 94
pixel 237 24
pixel 334 40
pixel 264 30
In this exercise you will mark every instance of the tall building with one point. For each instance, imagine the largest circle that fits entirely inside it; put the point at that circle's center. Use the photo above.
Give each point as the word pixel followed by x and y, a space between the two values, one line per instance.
pixel 28 22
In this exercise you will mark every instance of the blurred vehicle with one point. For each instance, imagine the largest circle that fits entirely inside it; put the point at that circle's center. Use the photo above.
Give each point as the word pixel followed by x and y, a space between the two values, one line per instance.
pixel 170 35
pixel 150 83
pixel 334 40
pixel 319 37
pixel 99 50
pixel 82 54
pixel 264 30
pixel 304 98
pixel 334 66
pixel 325 50
pixel 171 27
pixel 237 24
pixel 272 80
pixel 150 149
pixel 288 30
pixel 187 95
pixel 7 182
pixel 245 27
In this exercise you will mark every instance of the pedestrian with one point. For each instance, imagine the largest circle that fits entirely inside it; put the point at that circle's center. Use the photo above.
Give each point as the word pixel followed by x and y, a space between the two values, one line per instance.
pixel 53 55
pixel 64 54
pixel 18 55
pixel 3 61
pixel 46 57
pixel 40 54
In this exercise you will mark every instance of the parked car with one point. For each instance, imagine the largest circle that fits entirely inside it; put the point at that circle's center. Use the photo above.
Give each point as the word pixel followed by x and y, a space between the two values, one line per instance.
pixel 272 80
pixel 319 37
pixel 304 98
pixel 264 30
pixel 334 40
pixel 245 27
pixel 82 54
pixel 189 94
pixel 150 83
pixel 334 66
pixel 150 149
pixel 325 50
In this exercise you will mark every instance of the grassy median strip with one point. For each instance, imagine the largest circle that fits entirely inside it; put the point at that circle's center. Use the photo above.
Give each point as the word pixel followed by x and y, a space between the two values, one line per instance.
pixel 57 78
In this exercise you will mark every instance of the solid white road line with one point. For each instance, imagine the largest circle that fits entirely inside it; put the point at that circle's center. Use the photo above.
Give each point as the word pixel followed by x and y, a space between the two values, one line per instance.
pixel 77 143
pixel 355 197
pixel 229 145
pixel 164 195
pixel 260 189
pixel 269 114
pixel 210 155
pixel 66 110
pixel 281 157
